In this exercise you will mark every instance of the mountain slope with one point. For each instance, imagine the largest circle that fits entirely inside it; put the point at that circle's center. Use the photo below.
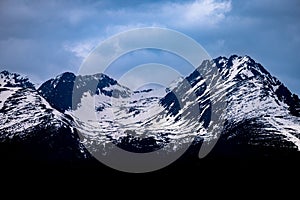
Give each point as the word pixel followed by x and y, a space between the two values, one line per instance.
pixel 30 128
pixel 257 100
pixel 258 113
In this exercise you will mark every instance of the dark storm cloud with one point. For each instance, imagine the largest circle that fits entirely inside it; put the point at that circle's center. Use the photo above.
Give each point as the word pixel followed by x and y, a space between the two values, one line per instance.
pixel 32 35
pixel 42 39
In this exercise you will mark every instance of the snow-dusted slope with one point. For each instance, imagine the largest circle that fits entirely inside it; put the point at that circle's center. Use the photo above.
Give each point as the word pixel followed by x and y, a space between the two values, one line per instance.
pixel 254 95
pixel 102 118
pixel 26 119
pixel 259 111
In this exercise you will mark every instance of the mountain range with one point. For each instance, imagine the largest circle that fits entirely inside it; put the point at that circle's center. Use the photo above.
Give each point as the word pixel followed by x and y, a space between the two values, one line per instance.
pixel 69 114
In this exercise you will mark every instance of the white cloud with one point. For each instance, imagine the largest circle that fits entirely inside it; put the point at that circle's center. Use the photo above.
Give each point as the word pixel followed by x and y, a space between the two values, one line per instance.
pixel 43 38
pixel 187 15
pixel 191 14
pixel 75 16
pixel 115 29
pixel 198 13
pixel 83 48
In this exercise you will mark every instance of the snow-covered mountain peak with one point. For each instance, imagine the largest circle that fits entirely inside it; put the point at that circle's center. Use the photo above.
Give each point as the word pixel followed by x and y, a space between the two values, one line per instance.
pixel 248 77
pixel 62 78
pixel 258 109
pixel 240 68
pixel 32 127
pixel 102 84
pixel 8 79
pixel 59 91
pixel 10 83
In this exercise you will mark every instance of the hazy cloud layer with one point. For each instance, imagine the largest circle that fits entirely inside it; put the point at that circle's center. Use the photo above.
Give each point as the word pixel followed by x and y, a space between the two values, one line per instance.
pixel 43 39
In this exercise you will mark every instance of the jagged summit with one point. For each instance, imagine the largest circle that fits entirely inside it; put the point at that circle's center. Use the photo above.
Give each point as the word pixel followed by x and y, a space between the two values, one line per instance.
pixel 242 67
pixel 30 128
pixel 244 70
pixel 8 79
pixel 59 90
pixel 260 112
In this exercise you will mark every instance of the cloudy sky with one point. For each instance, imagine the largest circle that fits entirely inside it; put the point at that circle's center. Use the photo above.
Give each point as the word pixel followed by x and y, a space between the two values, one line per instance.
pixel 44 38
